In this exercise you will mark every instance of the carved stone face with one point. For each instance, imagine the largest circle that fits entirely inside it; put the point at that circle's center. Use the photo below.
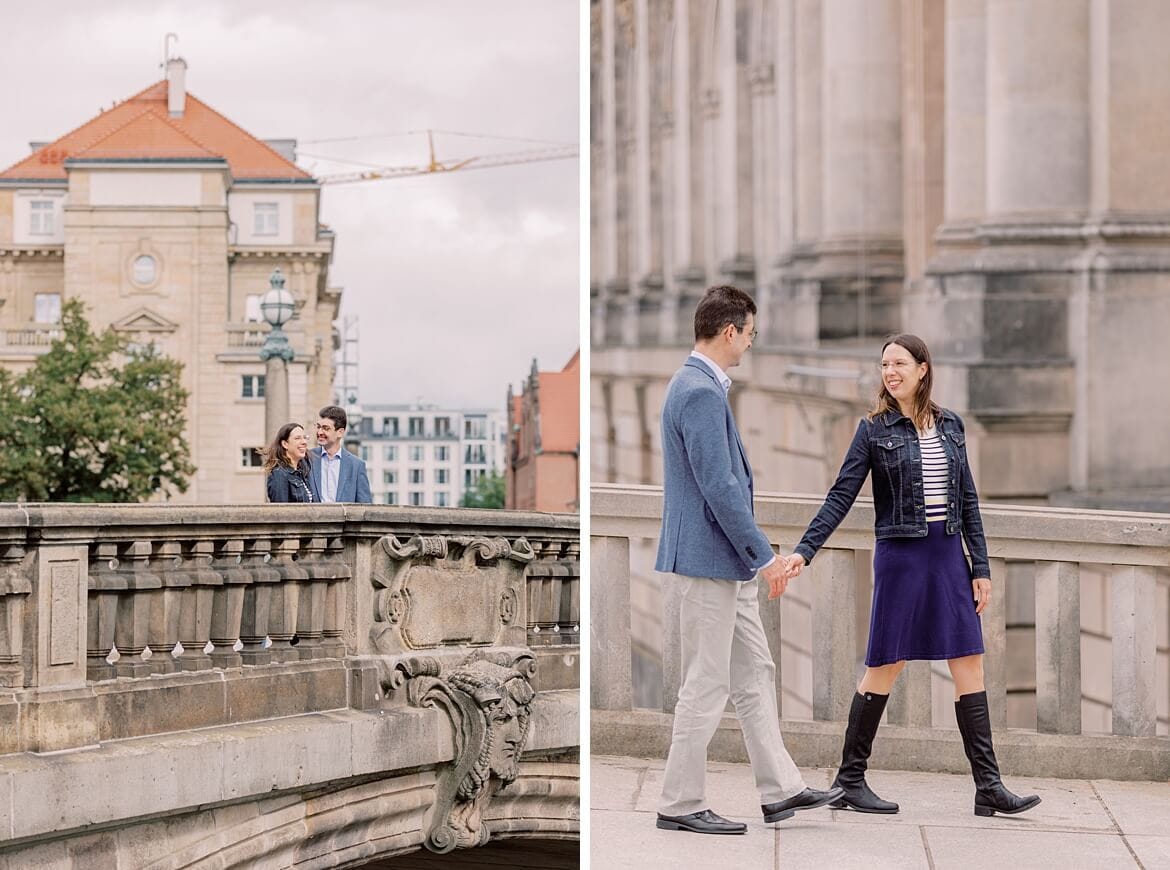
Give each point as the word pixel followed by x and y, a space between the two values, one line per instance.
pixel 507 732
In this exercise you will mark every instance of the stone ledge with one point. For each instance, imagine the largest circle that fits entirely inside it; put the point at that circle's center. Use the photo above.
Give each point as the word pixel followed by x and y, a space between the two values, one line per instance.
pixel 42 795
pixel 646 734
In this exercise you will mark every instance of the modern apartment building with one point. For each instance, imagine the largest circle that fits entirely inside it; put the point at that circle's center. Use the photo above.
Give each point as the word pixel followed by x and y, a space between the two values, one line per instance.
pixel 425 455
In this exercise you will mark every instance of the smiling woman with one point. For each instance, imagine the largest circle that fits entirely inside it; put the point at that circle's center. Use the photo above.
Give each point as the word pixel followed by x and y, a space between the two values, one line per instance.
pixel 289 477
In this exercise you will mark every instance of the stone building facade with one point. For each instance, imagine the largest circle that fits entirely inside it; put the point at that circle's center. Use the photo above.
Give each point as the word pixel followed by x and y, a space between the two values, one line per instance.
pixel 166 220
pixel 426 455
pixel 987 174
pixel 544 441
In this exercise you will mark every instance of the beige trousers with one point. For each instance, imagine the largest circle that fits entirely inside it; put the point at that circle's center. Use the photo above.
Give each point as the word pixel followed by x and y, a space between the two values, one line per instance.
pixel 724 654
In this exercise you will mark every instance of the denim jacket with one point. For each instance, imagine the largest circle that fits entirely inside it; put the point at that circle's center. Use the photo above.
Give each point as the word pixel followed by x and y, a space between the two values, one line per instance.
pixel 888 447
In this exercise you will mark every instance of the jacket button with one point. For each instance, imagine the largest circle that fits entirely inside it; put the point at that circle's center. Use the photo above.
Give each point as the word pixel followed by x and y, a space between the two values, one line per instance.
pixel 889 443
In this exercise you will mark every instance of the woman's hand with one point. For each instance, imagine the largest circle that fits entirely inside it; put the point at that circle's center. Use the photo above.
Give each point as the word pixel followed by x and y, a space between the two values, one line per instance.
pixel 981 589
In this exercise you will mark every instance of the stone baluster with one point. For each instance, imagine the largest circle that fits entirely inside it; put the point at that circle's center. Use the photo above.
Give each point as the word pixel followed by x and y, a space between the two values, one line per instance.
pixel 132 625
pixel 332 642
pixel 311 619
pixel 195 610
pixel 609 609
pixel 995 645
pixel 1058 647
pixel 834 646
pixel 571 606
pixel 1134 650
pixel 256 616
pixel 15 587
pixel 227 606
pixel 102 609
pixel 286 602
pixel 165 608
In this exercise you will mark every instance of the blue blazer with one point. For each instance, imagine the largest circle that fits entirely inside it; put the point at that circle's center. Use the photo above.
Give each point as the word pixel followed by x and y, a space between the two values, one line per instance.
pixel 708 522
pixel 353 483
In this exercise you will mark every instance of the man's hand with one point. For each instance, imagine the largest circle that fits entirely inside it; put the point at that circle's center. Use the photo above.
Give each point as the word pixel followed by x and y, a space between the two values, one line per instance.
pixel 777 576
pixel 796 564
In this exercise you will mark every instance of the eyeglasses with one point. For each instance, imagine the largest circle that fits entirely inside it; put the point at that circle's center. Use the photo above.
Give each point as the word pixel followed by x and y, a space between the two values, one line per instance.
pixel 755 332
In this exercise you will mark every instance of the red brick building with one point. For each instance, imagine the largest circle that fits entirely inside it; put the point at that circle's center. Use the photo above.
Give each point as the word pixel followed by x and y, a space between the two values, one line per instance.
pixel 544 441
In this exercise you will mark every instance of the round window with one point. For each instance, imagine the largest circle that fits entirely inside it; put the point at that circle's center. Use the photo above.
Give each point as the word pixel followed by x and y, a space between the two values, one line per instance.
pixel 145 270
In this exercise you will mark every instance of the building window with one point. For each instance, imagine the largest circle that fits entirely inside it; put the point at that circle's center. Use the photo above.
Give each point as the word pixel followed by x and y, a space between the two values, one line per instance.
pixel 365 453
pixel 390 426
pixel 475 454
pixel 40 217
pixel 389 478
pixel 390 453
pixel 416 499
pixel 252 312
pixel 442 475
pixel 391 498
pixel 251 457
pixel 475 427
pixel 144 270
pixel 417 427
pixel 416 475
pixel 251 386
pixel 472 476
pixel 416 453
pixel 442 499
pixel 442 453
pixel 47 308
pixel 442 426
pixel 267 219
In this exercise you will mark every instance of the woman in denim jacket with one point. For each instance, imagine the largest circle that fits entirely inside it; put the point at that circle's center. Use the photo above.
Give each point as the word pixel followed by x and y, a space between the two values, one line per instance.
pixel 287 466
pixel 927 598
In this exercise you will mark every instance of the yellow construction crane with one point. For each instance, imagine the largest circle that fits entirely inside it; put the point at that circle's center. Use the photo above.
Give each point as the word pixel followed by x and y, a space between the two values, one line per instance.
pixel 434 165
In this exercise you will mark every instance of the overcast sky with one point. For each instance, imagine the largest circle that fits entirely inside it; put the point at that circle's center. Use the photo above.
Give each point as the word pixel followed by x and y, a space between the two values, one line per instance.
pixel 457 281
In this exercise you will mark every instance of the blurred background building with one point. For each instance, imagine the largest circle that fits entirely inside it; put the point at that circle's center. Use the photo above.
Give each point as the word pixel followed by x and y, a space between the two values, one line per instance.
pixel 167 220
pixel 544 441
pixel 426 455
pixel 987 174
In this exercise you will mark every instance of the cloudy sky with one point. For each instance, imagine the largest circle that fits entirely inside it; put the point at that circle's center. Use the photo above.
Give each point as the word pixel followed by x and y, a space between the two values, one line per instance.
pixel 457 281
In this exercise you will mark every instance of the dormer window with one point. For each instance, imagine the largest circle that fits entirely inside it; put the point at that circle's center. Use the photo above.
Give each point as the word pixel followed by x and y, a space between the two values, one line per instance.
pixel 41 217
pixel 267 219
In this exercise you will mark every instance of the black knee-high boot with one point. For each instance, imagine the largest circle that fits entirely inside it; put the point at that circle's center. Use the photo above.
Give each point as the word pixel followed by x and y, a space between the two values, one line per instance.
pixel 991 796
pixel 864 715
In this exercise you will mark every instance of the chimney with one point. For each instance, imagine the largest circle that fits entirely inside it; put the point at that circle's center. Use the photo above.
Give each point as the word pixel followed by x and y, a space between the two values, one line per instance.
pixel 176 86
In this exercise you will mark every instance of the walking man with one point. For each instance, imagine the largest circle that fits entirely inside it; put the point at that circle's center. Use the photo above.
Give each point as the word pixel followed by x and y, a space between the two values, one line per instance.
pixel 710 540
pixel 337 475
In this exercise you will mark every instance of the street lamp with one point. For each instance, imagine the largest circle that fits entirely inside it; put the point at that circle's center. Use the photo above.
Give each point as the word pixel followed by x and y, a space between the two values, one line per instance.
pixel 277 307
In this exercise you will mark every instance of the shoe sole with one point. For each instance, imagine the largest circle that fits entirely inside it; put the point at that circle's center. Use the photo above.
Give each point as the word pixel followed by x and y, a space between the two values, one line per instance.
pixel 788 814
pixel 991 811
pixel 675 826
pixel 845 805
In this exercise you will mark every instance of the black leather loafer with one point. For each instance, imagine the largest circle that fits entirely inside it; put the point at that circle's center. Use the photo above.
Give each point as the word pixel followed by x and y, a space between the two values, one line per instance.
pixel 702 822
pixel 809 799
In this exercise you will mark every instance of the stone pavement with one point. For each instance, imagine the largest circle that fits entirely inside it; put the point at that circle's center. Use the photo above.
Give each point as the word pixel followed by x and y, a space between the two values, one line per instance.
pixel 1079 825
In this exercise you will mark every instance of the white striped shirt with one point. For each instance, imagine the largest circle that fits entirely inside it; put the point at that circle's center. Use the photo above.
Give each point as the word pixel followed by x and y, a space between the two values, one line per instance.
pixel 934 474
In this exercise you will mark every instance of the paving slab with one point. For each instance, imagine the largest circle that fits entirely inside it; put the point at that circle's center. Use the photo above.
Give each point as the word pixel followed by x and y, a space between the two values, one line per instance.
pixel 808 842
pixel 615 786
pixel 629 841
pixel 949 799
pixel 1153 852
pixel 1138 807
pixel 996 849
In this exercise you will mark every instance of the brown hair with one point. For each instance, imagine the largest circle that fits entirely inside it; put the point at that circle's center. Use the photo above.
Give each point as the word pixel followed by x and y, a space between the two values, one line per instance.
pixel 336 414
pixel 274 453
pixel 720 306
pixel 925 411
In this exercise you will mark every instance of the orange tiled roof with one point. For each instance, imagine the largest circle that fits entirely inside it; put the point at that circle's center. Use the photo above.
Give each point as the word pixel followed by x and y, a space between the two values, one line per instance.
pixel 141 127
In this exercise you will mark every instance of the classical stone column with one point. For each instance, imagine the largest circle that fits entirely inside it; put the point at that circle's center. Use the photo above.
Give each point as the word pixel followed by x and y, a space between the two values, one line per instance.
pixel 764 147
pixel 859 256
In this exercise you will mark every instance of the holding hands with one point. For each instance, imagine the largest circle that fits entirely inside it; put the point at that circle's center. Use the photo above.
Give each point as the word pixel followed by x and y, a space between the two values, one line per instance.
pixel 780 572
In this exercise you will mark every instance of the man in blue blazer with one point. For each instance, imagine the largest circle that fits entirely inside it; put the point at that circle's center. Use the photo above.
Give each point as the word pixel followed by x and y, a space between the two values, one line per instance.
pixel 336 474
pixel 711 542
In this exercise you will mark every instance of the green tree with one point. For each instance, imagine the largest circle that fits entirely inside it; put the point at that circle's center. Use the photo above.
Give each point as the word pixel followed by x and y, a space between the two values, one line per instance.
pixel 94 420
pixel 488 492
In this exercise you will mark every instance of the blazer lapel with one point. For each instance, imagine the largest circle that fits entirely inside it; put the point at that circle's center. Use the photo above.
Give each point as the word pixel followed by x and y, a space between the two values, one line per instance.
pixel 343 474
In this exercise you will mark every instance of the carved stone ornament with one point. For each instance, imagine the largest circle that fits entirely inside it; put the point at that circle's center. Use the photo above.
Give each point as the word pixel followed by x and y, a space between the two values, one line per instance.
pixel 489 699
pixel 439 591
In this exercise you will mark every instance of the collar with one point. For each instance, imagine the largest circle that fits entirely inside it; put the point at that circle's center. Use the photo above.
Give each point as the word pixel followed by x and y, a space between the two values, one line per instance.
pixel 327 458
pixel 720 375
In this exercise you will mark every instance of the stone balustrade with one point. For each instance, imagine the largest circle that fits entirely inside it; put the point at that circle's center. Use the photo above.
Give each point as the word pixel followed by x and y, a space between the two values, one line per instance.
pixel 125 621
pixel 1056 549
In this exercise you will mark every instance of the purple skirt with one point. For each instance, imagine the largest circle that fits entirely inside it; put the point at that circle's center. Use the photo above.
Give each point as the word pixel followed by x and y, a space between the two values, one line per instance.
pixel 922 601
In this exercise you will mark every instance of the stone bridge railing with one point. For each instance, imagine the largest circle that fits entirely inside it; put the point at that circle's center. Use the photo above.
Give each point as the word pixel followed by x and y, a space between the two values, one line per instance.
pixel 1055 548
pixel 138 626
